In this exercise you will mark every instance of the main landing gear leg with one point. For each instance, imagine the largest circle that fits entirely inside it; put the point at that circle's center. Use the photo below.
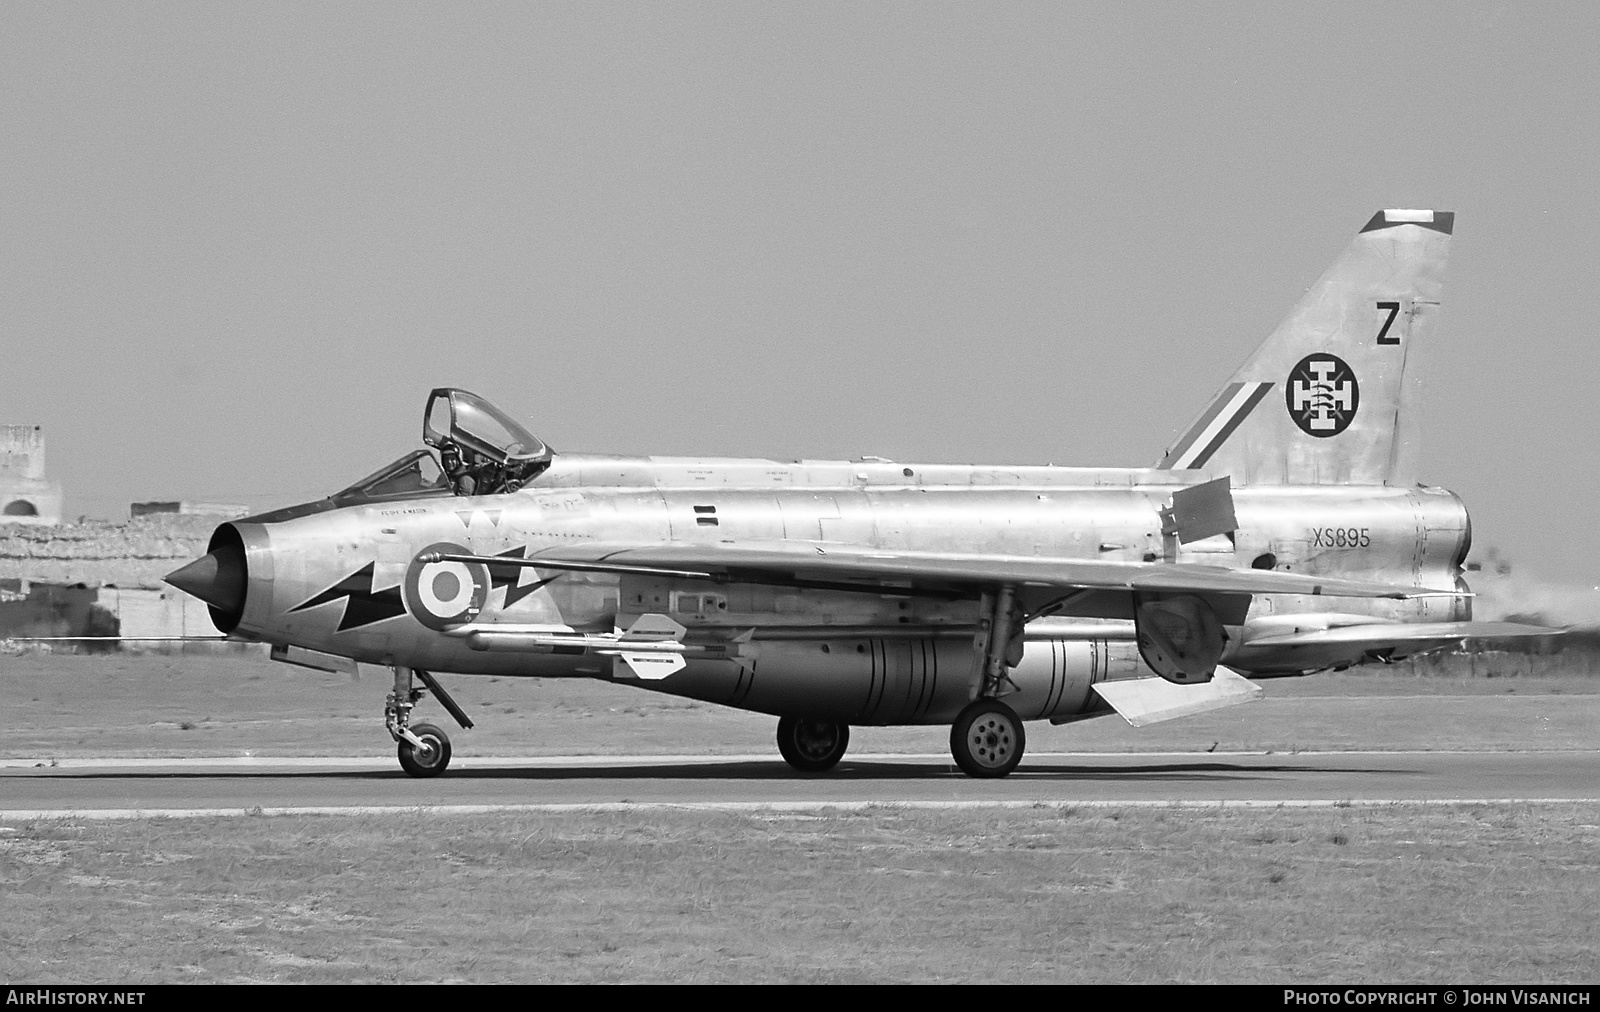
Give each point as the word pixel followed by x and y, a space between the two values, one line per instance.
pixel 987 739
pixel 424 750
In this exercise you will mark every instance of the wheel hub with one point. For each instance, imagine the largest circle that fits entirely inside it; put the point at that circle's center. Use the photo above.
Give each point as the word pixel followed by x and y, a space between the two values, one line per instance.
pixel 815 740
pixel 992 740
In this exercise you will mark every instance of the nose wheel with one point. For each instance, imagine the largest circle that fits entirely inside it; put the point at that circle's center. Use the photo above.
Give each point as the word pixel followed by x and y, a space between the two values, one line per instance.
pixel 987 739
pixel 430 757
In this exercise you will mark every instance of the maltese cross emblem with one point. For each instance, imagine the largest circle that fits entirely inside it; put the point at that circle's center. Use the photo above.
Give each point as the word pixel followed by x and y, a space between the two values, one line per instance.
pixel 1322 395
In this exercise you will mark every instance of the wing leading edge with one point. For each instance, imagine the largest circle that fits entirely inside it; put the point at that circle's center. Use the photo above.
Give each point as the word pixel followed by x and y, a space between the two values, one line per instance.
pixel 844 567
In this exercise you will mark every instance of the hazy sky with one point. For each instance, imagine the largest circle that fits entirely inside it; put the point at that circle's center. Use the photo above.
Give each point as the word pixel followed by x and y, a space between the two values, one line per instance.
pixel 239 243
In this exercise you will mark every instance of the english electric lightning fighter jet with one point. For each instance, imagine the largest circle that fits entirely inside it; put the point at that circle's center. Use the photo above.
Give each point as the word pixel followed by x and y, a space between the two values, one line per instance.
pixel 1283 532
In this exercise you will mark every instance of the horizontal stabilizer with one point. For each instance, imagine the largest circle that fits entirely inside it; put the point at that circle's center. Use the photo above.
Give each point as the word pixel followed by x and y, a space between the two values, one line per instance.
pixel 1385 634
pixel 1293 643
pixel 651 667
pixel 1144 701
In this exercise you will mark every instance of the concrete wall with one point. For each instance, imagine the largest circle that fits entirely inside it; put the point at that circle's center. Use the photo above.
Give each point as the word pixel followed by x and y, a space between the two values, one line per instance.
pixel 217 510
pixel 136 554
pixel 96 579
pixel 144 612
pixel 145 618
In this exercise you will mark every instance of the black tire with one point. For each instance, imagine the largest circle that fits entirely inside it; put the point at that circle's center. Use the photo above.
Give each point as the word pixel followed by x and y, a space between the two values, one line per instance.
pixel 425 764
pixel 987 739
pixel 812 746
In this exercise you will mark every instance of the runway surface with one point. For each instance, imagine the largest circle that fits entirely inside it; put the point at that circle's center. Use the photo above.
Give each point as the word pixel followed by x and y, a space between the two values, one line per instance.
pixel 212 785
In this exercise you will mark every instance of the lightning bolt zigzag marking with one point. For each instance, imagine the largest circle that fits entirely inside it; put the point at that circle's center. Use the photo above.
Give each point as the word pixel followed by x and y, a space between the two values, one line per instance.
pixel 507 576
pixel 363 605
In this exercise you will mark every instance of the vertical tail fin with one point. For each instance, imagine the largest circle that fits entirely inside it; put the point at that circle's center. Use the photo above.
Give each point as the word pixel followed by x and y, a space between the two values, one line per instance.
pixel 1326 399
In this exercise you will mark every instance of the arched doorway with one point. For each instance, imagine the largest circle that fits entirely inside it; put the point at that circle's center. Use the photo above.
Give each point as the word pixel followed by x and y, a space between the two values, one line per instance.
pixel 20 508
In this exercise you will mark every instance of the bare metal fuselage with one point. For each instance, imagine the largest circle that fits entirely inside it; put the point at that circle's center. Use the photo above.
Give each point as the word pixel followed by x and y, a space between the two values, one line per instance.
pixel 856 656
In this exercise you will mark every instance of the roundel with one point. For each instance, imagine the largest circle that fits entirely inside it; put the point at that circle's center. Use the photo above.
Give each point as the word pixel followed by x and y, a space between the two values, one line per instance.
pixel 443 594
pixel 1322 395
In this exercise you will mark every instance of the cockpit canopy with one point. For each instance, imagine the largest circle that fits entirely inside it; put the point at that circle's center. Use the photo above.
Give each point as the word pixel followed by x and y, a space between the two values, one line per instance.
pixel 481 449
pixel 413 476
pixel 481 452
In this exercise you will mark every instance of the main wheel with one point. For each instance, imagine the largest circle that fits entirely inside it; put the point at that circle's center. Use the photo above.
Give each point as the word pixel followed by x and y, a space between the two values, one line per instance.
pixel 987 739
pixel 425 762
pixel 812 746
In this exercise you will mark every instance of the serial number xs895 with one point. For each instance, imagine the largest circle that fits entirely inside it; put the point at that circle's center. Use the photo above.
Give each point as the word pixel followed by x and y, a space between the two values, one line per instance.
pixel 1341 537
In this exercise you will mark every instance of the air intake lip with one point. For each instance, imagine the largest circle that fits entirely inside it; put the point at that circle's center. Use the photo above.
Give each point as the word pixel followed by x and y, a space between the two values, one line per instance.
pixel 220 578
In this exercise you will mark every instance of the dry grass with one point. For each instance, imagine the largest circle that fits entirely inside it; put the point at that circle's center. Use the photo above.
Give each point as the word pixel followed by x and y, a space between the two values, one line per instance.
pixel 1419 895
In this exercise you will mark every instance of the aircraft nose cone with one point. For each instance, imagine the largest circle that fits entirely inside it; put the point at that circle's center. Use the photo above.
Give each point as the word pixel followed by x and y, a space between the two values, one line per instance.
pixel 217 578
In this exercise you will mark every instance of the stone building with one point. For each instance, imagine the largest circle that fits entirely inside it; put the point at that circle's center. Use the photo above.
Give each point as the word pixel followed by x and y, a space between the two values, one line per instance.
pixel 26 495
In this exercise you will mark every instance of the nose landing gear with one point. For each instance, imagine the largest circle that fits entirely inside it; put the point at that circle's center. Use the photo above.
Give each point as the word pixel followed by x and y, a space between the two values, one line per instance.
pixel 424 749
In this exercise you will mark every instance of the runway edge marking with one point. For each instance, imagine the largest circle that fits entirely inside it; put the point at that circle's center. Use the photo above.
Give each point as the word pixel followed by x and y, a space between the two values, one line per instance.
pixel 489 762
pixel 24 815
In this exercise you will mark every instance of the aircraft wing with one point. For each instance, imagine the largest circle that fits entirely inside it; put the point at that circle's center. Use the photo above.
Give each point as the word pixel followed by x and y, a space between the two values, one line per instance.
pixel 824 565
